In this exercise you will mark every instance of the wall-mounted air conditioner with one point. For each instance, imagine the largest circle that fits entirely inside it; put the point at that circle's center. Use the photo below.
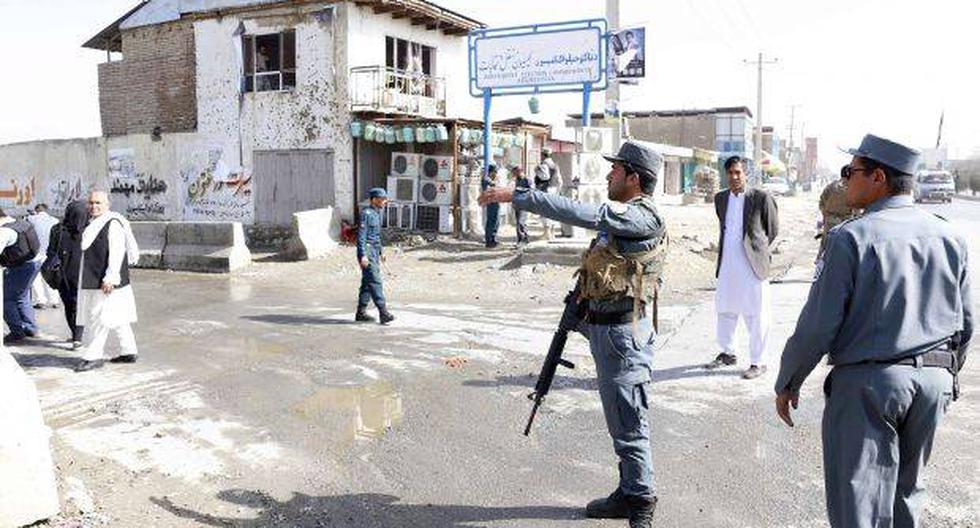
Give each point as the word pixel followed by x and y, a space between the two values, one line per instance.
pixel 403 189
pixel 435 192
pixel 437 167
pixel 593 168
pixel 404 164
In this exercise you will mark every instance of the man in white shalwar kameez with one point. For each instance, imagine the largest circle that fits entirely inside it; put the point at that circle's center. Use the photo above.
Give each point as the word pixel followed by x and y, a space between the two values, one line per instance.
pixel 105 299
pixel 749 224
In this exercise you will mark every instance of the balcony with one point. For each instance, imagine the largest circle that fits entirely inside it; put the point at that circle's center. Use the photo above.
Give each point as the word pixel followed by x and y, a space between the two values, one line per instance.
pixel 381 89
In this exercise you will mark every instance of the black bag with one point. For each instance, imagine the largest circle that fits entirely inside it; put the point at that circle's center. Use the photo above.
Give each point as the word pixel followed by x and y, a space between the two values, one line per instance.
pixel 24 249
pixel 51 269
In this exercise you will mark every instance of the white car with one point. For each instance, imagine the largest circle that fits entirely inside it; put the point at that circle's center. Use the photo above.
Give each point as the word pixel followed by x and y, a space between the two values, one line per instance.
pixel 776 186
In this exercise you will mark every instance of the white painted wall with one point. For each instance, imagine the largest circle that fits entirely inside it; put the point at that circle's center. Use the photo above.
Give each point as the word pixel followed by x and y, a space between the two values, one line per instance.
pixel 54 172
pixel 367 48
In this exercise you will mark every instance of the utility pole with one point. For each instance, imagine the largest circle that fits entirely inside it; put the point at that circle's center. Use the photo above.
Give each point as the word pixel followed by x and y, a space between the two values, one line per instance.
pixel 612 91
pixel 760 63
pixel 791 162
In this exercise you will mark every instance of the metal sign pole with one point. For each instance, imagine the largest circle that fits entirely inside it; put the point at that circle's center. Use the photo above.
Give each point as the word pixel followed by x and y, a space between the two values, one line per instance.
pixel 487 100
pixel 586 99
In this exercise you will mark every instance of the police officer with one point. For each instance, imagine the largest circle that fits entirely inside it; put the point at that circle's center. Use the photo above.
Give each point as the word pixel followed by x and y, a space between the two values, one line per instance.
pixel 619 280
pixel 833 207
pixel 891 306
pixel 492 224
pixel 369 257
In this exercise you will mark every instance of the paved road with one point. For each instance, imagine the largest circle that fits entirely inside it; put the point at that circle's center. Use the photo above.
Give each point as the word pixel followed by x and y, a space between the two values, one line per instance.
pixel 258 404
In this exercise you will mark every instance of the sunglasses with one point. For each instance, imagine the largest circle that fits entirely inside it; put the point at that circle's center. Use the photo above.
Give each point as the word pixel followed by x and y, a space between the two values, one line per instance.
pixel 847 171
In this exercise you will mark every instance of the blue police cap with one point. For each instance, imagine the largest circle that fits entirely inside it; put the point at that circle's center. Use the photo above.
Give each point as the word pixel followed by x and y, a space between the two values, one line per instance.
pixel 639 156
pixel 377 192
pixel 897 156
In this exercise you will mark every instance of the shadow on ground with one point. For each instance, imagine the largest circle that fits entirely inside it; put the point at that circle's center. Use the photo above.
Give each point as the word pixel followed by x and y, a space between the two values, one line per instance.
pixel 564 382
pixel 299 320
pixel 45 360
pixel 366 510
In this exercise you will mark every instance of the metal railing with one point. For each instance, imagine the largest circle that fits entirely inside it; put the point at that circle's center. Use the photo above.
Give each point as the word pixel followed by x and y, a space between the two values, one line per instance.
pixel 389 90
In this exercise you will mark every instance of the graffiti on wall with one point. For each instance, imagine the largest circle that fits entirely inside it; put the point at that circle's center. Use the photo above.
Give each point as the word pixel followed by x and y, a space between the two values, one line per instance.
pixel 63 191
pixel 217 193
pixel 140 195
pixel 21 192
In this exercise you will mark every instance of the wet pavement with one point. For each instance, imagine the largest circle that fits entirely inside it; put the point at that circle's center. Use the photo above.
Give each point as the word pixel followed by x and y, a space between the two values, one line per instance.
pixel 258 402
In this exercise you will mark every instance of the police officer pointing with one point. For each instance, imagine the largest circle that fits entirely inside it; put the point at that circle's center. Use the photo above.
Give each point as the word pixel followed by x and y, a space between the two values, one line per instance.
pixel 619 278
pixel 891 306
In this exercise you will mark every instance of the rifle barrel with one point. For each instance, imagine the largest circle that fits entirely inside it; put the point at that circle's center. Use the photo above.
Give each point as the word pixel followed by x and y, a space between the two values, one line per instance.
pixel 534 411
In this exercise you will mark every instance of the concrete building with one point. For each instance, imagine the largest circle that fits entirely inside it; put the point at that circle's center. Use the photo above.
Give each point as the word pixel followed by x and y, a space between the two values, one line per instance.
pixel 725 130
pixel 241 110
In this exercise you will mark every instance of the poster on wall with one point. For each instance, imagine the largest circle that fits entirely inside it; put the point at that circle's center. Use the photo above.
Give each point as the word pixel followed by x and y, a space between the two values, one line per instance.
pixel 216 193
pixel 122 164
pixel 627 54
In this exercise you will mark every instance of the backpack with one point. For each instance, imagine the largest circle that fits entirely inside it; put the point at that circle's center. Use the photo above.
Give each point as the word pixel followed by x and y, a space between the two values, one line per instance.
pixel 24 249
pixel 51 269
pixel 542 176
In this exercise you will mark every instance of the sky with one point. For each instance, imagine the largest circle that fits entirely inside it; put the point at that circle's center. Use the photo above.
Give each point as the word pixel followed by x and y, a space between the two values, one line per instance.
pixel 845 67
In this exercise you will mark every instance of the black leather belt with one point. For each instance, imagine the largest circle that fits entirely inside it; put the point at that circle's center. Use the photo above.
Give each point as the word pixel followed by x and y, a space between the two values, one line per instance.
pixel 612 318
pixel 936 358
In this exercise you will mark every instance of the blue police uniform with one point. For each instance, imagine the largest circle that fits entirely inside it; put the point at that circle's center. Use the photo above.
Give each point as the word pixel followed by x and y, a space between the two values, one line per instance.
pixel 890 297
pixel 369 245
pixel 623 357
pixel 493 211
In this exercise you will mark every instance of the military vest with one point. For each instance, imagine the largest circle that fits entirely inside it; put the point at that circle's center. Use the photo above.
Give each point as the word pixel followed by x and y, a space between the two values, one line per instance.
pixel 609 273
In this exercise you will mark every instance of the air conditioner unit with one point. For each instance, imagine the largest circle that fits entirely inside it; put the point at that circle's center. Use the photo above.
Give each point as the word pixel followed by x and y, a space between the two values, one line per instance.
pixel 593 168
pixel 403 189
pixel 596 140
pixel 434 218
pixel 405 164
pixel 437 167
pixel 435 193
pixel 399 215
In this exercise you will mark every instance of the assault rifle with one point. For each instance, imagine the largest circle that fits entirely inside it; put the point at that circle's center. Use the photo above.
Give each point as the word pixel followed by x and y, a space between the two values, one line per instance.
pixel 570 319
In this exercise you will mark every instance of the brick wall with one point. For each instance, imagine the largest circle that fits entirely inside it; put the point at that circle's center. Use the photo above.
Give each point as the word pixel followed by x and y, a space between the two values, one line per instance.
pixel 154 85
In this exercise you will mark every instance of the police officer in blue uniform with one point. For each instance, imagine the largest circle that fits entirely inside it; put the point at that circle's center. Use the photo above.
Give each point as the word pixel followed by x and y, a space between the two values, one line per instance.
pixel 369 258
pixel 891 307
pixel 619 327
pixel 492 224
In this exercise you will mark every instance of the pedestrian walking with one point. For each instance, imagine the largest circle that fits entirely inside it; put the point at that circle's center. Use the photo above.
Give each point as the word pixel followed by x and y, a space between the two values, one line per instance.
pixel 369 257
pixel 834 208
pixel 618 278
pixel 20 245
pixel 891 306
pixel 43 295
pixel 492 212
pixel 106 304
pixel 65 252
pixel 749 222
pixel 520 217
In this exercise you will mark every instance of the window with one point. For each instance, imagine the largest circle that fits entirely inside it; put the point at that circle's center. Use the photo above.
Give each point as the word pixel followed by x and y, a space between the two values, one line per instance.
pixel 410 62
pixel 270 61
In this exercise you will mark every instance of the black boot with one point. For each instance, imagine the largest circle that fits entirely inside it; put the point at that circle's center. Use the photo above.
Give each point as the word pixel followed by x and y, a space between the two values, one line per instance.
pixel 362 317
pixel 385 316
pixel 641 511
pixel 612 507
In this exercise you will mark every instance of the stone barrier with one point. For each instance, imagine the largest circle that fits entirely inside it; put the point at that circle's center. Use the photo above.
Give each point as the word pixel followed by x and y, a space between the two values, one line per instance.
pixel 215 247
pixel 152 238
pixel 315 234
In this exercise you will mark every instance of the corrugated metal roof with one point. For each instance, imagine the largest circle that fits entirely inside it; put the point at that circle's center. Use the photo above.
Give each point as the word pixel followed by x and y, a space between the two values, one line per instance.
pixel 162 11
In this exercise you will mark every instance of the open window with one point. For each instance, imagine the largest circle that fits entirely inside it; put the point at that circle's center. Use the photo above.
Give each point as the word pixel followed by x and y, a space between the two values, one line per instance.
pixel 270 61
pixel 411 63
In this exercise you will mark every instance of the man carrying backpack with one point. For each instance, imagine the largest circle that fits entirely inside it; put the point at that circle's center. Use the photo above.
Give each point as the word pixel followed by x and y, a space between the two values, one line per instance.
pixel 19 245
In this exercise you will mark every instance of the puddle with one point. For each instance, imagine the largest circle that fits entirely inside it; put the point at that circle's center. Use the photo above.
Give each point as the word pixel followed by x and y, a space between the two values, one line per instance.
pixel 363 412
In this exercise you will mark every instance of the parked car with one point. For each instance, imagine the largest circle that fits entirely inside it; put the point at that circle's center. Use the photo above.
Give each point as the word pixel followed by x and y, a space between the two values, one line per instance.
pixel 776 186
pixel 934 186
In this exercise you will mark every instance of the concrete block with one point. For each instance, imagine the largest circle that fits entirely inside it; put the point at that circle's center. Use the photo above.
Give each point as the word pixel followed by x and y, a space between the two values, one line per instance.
pixel 566 252
pixel 151 237
pixel 315 234
pixel 28 491
pixel 216 247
